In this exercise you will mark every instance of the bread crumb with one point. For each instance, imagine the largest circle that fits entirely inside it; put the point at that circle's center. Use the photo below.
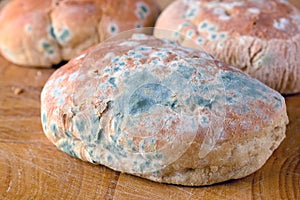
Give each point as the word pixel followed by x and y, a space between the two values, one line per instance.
pixel 38 73
pixel 18 91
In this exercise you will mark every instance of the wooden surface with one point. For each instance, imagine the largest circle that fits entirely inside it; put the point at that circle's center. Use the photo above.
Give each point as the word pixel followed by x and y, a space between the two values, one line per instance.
pixel 32 168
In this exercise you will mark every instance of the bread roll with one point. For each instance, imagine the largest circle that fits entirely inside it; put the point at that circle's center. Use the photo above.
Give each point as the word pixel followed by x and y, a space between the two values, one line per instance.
pixel 148 107
pixel 43 33
pixel 260 37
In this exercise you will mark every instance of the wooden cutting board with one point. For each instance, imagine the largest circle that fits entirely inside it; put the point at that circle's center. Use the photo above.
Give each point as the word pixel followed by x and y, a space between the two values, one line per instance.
pixel 32 168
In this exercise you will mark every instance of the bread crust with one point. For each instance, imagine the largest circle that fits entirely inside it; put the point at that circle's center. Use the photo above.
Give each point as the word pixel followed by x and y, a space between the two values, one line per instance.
pixel 259 37
pixel 43 33
pixel 151 108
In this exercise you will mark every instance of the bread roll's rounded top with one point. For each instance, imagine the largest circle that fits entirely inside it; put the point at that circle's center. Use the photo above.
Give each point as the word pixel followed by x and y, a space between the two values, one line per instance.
pixel 150 107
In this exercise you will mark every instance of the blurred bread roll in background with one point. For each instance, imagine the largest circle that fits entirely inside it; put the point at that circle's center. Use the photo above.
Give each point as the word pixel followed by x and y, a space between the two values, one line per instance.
pixel 43 33
pixel 259 37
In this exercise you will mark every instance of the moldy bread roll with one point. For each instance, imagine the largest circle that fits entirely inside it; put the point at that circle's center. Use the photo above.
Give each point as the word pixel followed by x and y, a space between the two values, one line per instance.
pixel 43 33
pixel 260 37
pixel 148 107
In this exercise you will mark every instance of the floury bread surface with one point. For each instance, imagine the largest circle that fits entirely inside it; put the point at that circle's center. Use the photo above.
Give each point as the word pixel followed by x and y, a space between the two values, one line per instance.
pixel 260 37
pixel 171 114
pixel 43 33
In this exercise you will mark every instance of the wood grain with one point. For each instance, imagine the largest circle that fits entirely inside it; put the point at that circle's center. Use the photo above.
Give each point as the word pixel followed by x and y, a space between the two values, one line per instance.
pixel 32 168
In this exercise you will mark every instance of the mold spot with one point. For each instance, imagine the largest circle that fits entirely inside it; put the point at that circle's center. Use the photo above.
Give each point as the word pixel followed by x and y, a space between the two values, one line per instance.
pixel 115 149
pixel 212 28
pixel 68 147
pixel 116 69
pixel 142 145
pixel 28 28
pixel 109 159
pixel 230 100
pixel 144 165
pixel 174 105
pixel 136 63
pixel 138 55
pixel 47 47
pixel 138 25
pixel 139 36
pixel 80 125
pixel 281 24
pixel 200 40
pixel 277 99
pixel 109 55
pixel 54 129
pixel 64 36
pixel 112 81
pixel 155 62
pixel 68 134
pixel 129 43
pixel 196 101
pixel 61 101
pixel 186 71
pixel 159 156
pixel 191 13
pixel 251 87
pixel 131 52
pixel 219 11
pixel 73 76
pixel 190 33
pixel 253 10
pixel 51 32
pixel 278 102
pixel 296 19
pixel 265 118
pixel 152 140
pixel 222 13
pixel 142 10
pixel 245 109
pixel 220 45
pixel 107 70
pixel 176 34
pixel 132 146
pixel 203 25
pixel 213 36
pixel 222 35
pixel 56 92
pixel 224 17
pixel 155 174
pixel 141 106
pixel 7 51
pixel 144 48
pixel 256 128
pixel 185 24
pixel 145 97
pixel 115 60
pixel 225 5
pixel 159 54
pixel 44 118
pixel 122 64
pixel 204 121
